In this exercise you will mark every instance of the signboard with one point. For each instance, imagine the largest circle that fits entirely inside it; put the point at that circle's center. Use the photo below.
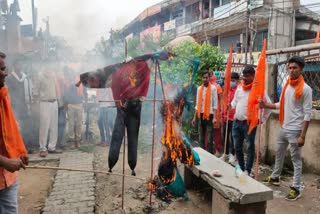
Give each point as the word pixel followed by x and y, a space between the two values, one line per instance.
pixel 240 57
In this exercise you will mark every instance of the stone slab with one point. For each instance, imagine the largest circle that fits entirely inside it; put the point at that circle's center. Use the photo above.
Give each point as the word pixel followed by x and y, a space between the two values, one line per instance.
pixel 220 205
pixel 228 185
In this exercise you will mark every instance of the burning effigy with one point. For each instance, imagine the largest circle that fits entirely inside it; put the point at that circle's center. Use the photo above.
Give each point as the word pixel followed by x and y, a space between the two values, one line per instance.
pixel 129 82
pixel 168 183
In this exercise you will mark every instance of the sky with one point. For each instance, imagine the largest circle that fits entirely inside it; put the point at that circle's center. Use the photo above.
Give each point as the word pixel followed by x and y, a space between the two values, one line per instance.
pixel 83 22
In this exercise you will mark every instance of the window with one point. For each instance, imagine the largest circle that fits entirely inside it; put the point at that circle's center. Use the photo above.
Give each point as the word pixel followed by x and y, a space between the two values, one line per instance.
pixel 205 9
pixel 258 40
pixel 225 42
pixel 192 13
pixel 223 2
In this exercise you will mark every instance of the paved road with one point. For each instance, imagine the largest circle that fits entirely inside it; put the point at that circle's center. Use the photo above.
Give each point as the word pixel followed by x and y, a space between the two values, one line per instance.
pixel 73 192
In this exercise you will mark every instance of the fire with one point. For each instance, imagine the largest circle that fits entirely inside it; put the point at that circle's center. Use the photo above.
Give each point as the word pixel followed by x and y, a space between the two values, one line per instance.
pixel 174 147
pixel 152 185
pixel 169 183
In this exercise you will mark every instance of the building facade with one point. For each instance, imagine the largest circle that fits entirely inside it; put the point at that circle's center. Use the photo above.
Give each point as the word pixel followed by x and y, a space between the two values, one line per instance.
pixel 220 22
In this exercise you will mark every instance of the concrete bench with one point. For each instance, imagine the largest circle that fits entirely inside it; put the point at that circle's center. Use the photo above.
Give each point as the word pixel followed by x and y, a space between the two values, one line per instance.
pixel 228 194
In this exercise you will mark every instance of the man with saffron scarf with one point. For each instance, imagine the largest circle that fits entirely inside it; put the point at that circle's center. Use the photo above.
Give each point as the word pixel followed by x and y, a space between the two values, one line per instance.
pixel 206 107
pixel 240 124
pixel 13 154
pixel 295 112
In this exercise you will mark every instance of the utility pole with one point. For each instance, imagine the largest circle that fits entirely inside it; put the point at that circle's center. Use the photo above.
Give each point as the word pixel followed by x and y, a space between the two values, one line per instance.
pixel 247 33
pixel 253 30
pixel 34 24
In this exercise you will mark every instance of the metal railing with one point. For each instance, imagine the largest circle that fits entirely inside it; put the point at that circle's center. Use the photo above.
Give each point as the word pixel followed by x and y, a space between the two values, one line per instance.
pixel 311 76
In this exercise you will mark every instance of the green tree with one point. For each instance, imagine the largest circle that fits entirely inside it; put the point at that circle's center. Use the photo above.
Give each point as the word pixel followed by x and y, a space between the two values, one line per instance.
pixel 179 71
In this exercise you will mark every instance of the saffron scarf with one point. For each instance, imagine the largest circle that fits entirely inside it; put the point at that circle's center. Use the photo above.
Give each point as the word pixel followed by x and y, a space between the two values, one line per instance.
pixel 206 113
pixel 12 139
pixel 246 87
pixel 298 91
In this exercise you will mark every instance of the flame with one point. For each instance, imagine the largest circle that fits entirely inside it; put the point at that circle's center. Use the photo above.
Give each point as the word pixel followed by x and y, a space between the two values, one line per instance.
pixel 174 148
pixel 172 140
pixel 152 186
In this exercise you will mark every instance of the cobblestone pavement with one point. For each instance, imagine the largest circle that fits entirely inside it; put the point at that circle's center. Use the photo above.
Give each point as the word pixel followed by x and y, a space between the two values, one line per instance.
pixel 73 192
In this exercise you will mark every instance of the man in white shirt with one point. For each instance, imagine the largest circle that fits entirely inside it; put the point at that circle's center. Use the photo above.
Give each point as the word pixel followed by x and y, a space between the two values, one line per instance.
pixel 240 125
pixel 295 112
pixel 47 91
pixel 206 106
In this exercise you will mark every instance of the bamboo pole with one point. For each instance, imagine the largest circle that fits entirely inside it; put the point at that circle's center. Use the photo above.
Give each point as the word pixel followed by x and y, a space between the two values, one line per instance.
pixel 153 125
pixel 226 136
pixel 259 143
pixel 227 127
pixel 82 170
pixel 294 49
pixel 123 167
pixel 109 101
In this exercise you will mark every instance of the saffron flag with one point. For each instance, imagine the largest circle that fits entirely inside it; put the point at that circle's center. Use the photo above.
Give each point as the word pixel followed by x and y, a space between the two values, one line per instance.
pixel 227 80
pixel 257 91
pixel 318 35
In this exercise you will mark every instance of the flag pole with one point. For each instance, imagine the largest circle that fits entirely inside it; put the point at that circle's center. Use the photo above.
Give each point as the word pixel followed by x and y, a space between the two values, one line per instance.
pixel 227 129
pixel 259 144
pixel 226 94
pixel 153 124
pixel 124 139
pixel 123 167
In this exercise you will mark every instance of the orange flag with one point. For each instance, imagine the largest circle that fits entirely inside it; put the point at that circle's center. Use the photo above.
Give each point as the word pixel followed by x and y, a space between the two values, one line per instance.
pixel 227 80
pixel 318 35
pixel 257 91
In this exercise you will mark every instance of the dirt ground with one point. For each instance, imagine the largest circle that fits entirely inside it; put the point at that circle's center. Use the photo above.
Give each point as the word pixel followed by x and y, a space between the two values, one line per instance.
pixel 136 199
pixel 34 187
pixel 309 203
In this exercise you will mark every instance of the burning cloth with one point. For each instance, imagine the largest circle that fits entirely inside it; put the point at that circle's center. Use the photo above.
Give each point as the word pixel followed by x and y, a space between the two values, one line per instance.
pixel 169 183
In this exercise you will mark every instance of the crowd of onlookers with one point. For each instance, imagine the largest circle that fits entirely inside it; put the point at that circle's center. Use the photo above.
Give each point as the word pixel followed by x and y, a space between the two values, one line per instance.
pixel 50 108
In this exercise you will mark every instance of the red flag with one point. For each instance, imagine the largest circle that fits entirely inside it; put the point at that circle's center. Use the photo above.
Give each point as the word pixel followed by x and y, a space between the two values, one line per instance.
pixel 227 80
pixel 318 35
pixel 131 80
pixel 257 91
